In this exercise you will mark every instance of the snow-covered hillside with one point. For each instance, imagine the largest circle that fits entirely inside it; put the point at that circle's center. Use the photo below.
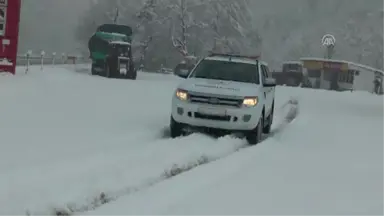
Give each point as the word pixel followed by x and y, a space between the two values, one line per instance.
pixel 74 142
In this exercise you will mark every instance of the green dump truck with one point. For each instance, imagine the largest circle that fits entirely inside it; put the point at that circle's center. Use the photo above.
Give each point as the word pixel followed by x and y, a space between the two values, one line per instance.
pixel 111 52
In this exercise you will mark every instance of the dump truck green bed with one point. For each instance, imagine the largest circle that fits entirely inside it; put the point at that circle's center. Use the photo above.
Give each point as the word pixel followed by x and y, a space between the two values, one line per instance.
pixel 107 33
pixel 111 36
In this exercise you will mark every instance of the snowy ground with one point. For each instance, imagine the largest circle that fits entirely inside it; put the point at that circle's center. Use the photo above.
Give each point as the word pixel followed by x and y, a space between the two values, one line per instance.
pixel 67 139
pixel 329 161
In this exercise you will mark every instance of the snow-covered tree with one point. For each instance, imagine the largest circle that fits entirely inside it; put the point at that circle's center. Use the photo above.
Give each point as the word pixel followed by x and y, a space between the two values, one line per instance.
pixel 231 26
pixel 361 34
pixel 183 20
pixel 225 23
pixel 145 16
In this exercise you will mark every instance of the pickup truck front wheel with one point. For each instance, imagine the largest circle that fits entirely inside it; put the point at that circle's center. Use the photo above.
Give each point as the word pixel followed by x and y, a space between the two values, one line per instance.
pixel 176 129
pixel 268 125
pixel 254 137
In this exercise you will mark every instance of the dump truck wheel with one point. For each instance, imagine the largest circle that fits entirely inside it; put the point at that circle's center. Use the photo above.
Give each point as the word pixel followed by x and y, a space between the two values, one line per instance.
pixel 131 75
pixel 107 71
pixel 134 74
pixel 93 71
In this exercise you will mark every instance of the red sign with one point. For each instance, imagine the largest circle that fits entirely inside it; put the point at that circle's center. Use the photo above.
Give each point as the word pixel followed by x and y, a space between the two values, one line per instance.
pixel 9 34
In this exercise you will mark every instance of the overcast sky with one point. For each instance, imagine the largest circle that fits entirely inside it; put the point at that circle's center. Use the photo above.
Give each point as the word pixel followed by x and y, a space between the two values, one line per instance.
pixel 50 24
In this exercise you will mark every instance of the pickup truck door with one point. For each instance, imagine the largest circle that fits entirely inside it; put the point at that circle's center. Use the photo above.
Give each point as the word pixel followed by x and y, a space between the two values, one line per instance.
pixel 268 91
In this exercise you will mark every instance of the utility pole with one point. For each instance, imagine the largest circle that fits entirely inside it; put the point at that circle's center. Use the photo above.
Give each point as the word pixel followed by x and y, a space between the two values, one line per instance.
pixel 116 16
pixel 328 41
pixel 330 50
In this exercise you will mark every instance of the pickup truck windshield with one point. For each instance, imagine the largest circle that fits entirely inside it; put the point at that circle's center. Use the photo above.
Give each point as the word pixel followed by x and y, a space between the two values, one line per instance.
pixel 229 71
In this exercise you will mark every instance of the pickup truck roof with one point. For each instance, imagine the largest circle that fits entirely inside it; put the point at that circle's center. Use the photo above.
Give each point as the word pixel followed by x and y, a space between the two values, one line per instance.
pixel 249 59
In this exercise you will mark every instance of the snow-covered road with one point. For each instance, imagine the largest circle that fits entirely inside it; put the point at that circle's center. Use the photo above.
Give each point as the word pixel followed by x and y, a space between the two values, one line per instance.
pixel 66 138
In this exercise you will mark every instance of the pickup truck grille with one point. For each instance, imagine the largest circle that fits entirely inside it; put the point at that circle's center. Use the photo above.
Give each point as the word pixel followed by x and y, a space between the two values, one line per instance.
pixel 215 100
pixel 212 117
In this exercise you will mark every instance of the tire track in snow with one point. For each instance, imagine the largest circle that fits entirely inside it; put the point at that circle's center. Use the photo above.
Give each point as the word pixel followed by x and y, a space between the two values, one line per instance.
pixel 145 168
pixel 165 159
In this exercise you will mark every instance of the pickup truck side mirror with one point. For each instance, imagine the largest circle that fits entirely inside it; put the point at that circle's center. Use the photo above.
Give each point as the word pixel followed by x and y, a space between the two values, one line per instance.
pixel 269 82
pixel 182 72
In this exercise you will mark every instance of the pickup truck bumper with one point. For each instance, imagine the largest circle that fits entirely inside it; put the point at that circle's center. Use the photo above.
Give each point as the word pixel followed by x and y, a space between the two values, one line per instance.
pixel 217 117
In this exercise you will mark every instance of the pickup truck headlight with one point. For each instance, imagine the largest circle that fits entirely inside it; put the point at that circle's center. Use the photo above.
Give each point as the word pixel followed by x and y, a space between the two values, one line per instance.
pixel 182 94
pixel 250 101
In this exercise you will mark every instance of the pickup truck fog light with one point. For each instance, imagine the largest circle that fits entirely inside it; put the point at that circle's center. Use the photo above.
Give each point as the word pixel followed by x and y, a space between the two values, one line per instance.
pixel 180 110
pixel 246 118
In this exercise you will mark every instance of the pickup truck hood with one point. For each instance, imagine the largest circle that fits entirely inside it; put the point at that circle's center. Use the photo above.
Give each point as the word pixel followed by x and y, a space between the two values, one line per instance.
pixel 220 87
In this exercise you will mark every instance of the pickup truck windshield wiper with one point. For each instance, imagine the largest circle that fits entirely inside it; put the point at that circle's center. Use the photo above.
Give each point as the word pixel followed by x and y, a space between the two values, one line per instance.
pixel 207 77
pixel 201 77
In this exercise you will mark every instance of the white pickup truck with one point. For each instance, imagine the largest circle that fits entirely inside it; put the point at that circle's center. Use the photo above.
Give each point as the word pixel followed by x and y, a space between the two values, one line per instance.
pixel 230 93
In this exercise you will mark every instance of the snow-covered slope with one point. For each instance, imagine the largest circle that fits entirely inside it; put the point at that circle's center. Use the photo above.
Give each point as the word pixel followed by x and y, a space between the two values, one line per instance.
pixel 329 161
pixel 72 142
